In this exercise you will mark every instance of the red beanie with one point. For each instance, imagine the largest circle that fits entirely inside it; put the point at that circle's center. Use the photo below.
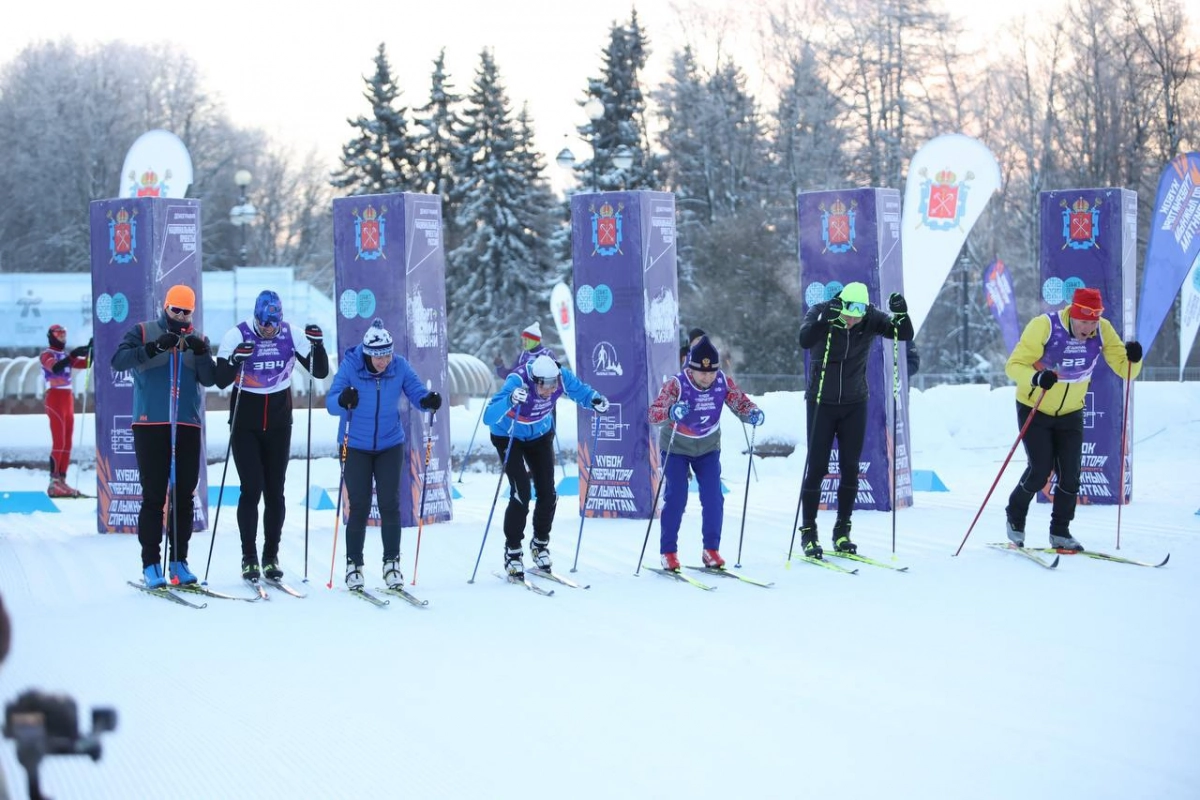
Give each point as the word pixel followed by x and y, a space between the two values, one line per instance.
pixel 1087 305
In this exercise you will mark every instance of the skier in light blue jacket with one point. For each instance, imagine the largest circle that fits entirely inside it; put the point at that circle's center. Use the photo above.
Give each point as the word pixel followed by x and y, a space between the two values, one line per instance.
pixel 521 417
pixel 366 393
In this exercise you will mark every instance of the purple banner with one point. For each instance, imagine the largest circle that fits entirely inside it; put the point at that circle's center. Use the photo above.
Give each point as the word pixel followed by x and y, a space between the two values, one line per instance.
pixel 1089 238
pixel 998 290
pixel 390 262
pixel 626 334
pixel 140 248
pixel 1174 244
pixel 854 235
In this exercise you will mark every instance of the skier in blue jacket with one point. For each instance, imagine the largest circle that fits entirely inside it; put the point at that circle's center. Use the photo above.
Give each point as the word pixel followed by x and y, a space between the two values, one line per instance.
pixel 521 416
pixel 366 393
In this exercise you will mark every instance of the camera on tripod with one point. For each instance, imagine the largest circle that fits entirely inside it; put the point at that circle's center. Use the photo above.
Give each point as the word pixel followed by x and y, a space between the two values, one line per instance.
pixel 48 725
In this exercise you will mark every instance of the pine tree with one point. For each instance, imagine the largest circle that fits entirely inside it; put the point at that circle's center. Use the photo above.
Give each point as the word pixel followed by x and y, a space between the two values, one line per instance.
pixel 496 281
pixel 434 144
pixel 624 122
pixel 380 158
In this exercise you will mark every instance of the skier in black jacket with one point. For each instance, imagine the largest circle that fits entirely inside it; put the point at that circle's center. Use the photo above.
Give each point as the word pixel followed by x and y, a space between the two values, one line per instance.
pixel 840 332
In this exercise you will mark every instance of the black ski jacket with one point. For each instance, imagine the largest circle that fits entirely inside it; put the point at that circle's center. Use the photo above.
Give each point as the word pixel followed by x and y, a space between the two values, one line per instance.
pixel 846 368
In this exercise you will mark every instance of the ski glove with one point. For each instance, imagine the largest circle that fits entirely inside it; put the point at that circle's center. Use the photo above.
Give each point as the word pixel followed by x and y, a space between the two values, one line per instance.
pixel 1133 351
pixel 162 344
pixel 240 353
pixel 897 304
pixel 60 365
pixel 84 349
pixel 600 403
pixel 832 311
pixel 348 399
pixel 1045 379
pixel 431 401
pixel 519 395
pixel 756 417
pixel 314 333
pixel 197 344
pixel 678 411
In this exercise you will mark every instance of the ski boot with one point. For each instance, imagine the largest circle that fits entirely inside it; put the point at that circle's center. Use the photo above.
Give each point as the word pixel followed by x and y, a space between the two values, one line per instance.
pixel 250 571
pixel 670 562
pixel 392 576
pixel 354 576
pixel 809 541
pixel 841 537
pixel 514 564
pixel 539 551
pixel 181 575
pixel 712 559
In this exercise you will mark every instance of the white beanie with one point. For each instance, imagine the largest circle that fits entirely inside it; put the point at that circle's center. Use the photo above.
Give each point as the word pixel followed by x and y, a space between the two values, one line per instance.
pixel 377 341
pixel 534 332
pixel 544 369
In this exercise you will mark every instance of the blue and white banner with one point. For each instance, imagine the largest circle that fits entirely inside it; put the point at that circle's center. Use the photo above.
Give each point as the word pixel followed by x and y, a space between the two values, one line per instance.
pixel 1173 246
pixel 998 289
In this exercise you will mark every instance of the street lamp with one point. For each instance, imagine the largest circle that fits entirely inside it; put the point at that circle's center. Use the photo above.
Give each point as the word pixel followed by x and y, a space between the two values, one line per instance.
pixel 622 158
pixel 244 213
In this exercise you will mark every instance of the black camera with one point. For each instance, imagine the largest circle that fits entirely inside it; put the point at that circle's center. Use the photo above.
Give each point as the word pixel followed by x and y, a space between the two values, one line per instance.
pixel 48 725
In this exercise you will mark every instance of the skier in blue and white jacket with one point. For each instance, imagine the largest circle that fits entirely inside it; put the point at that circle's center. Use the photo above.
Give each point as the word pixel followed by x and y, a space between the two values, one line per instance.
pixel 366 393
pixel 521 417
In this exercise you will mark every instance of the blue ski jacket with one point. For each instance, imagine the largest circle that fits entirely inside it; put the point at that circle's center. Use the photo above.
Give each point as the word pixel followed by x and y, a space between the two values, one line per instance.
pixel 375 425
pixel 532 418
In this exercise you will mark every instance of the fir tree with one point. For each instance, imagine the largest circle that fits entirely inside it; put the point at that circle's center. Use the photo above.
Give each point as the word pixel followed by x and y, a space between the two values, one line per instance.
pixel 380 158
pixel 496 280
pixel 434 144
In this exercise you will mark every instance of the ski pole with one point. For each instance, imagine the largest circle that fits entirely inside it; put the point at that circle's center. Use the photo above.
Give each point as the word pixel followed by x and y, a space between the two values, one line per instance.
pixel 424 484
pixel 308 472
pixel 746 497
pixel 895 444
pixel 746 436
pixel 341 490
pixel 588 493
pixel 812 427
pixel 1003 466
pixel 224 471
pixel 503 466
pixel 657 491
pixel 87 382
pixel 1124 442
pixel 175 364
pixel 471 445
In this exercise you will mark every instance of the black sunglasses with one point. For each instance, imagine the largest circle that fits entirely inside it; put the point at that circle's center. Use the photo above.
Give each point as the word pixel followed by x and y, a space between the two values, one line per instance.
pixel 179 312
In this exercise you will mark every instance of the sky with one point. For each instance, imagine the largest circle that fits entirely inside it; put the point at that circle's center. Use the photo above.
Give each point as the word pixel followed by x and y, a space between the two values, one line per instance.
pixel 982 676
pixel 298 75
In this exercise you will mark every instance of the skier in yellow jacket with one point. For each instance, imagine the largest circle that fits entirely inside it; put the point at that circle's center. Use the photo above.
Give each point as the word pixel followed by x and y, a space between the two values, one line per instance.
pixel 1054 361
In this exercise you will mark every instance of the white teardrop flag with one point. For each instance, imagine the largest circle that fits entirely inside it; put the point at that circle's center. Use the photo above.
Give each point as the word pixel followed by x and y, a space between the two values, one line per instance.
pixel 950 180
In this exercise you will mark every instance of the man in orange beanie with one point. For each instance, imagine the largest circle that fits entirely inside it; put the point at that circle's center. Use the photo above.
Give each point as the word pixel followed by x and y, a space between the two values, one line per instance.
pixel 1052 365
pixel 170 363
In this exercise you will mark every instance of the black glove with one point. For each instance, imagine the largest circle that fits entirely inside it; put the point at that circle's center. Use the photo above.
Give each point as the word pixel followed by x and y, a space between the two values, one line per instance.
pixel 1133 351
pixel 1045 379
pixel 60 365
pixel 162 344
pixel 348 399
pixel 82 350
pixel 431 401
pixel 314 333
pixel 197 344
pixel 897 304
pixel 832 311
pixel 240 353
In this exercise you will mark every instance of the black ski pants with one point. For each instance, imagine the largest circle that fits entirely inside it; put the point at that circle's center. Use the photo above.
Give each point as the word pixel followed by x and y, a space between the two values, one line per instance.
pixel 261 457
pixel 1052 444
pixel 384 467
pixel 152 446
pixel 532 457
pixel 848 423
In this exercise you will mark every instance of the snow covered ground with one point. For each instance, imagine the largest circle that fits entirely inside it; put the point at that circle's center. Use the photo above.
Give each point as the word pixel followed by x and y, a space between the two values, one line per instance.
pixel 981 676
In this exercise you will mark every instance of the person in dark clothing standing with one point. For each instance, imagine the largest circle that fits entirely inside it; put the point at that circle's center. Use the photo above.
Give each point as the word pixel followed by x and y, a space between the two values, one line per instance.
pixel 166 357
pixel 260 354
pixel 366 393
pixel 839 332
pixel 60 404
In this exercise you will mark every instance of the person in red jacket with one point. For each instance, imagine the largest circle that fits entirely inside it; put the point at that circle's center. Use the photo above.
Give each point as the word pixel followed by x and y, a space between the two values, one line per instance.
pixel 60 404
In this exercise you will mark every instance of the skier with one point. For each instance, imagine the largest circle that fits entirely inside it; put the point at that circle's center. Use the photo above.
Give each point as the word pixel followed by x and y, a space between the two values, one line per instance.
pixel 366 393
pixel 1057 353
pixel 260 355
pixel 691 401
pixel 521 422
pixel 166 440
pixel 839 332
pixel 531 348
pixel 694 335
pixel 60 404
